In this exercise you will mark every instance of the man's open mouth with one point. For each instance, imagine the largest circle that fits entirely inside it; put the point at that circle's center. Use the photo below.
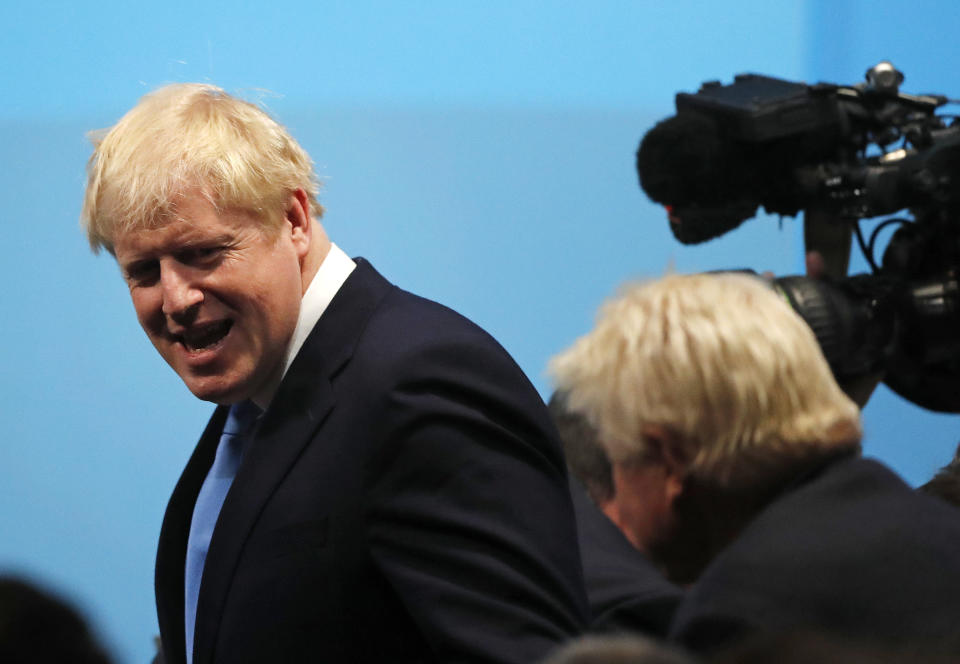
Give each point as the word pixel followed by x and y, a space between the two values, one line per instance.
pixel 205 336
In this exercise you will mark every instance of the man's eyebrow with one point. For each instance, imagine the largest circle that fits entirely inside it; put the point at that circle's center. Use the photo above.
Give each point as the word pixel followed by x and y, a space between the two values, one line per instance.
pixel 135 259
pixel 184 242
pixel 135 264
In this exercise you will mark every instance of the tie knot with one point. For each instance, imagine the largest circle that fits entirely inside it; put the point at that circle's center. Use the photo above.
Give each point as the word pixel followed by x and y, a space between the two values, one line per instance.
pixel 241 418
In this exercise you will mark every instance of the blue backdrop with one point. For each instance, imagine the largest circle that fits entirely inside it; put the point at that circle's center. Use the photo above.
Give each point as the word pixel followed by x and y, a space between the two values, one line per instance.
pixel 479 153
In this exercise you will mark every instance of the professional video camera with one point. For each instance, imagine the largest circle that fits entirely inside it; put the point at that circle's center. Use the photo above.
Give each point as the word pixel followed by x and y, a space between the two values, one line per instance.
pixel 841 154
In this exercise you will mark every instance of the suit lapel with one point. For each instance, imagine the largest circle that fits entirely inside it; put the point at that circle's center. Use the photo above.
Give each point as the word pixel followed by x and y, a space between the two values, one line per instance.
pixel 302 403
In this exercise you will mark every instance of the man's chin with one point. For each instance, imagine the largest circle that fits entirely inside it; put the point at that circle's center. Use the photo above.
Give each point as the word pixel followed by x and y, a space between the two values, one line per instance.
pixel 217 390
pixel 226 383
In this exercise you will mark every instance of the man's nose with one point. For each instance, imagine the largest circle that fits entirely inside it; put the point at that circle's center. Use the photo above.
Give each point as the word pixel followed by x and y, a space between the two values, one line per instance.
pixel 181 293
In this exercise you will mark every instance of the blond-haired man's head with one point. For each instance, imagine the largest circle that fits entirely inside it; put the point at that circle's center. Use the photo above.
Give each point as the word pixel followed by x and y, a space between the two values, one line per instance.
pixel 709 378
pixel 209 207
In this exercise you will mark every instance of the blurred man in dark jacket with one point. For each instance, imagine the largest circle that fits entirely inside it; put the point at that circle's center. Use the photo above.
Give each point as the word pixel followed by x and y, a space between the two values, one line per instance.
pixel 736 464
pixel 626 592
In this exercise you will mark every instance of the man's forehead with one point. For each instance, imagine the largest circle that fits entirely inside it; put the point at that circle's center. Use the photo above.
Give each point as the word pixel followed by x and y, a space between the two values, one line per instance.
pixel 170 235
pixel 193 218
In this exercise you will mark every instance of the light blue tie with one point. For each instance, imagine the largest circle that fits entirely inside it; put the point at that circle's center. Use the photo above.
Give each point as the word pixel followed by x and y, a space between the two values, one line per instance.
pixel 236 430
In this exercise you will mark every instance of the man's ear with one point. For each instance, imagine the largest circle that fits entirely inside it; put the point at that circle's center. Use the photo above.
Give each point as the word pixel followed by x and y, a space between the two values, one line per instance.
pixel 667 447
pixel 297 214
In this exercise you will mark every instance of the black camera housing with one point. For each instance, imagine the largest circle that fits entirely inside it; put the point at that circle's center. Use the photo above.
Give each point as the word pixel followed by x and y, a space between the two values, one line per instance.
pixel 849 153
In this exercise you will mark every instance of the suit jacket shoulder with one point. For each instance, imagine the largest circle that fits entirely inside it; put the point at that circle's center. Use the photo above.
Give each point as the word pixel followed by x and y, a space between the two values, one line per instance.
pixel 854 551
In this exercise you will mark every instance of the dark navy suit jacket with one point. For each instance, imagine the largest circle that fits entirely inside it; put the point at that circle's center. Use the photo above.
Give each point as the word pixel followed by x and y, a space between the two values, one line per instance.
pixel 404 500
pixel 851 550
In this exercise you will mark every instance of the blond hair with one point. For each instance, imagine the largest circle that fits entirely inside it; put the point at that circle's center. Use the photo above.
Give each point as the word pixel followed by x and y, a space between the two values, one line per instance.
pixel 720 360
pixel 186 137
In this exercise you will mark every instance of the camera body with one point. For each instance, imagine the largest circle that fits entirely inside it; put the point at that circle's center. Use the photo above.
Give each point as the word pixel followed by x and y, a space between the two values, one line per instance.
pixel 848 153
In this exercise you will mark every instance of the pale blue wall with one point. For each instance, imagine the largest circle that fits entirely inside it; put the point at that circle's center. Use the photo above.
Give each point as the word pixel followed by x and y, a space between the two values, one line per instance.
pixel 479 153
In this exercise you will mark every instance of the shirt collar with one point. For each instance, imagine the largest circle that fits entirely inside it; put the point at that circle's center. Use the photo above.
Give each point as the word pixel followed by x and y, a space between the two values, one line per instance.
pixel 333 271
